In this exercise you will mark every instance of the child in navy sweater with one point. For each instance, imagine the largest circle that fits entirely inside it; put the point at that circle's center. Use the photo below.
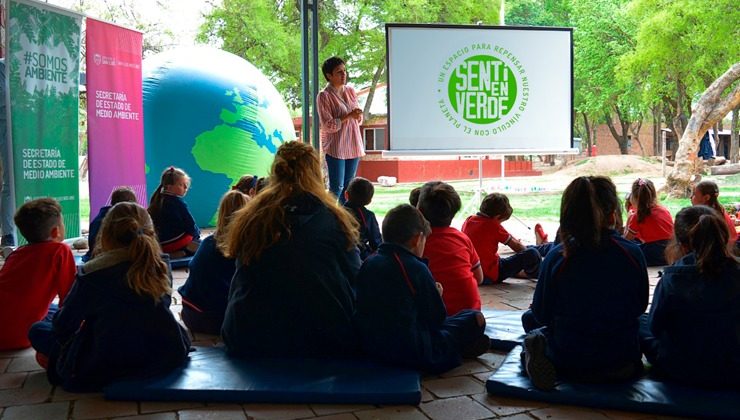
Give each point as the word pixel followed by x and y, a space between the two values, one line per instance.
pixel 692 330
pixel 118 195
pixel 359 193
pixel 176 229
pixel 115 323
pixel 206 291
pixel 400 314
pixel 592 288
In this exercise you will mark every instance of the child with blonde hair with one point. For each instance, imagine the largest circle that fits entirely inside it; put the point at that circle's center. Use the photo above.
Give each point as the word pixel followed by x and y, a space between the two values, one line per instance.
pixel 178 234
pixel 116 322
pixel 206 291
pixel 651 225
pixel 296 257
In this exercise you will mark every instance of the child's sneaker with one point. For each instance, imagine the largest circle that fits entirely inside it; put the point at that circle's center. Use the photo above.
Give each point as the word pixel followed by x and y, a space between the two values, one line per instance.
pixel 539 368
pixel 539 234
pixel 481 345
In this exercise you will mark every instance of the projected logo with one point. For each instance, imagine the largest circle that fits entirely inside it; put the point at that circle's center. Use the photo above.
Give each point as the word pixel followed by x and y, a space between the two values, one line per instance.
pixel 483 89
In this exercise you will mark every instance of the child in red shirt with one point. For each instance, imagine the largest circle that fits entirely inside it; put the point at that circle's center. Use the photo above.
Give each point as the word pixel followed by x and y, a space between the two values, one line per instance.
pixel 452 257
pixel 486 232
pixel 35 273
pixel 706 193
pixel 651 224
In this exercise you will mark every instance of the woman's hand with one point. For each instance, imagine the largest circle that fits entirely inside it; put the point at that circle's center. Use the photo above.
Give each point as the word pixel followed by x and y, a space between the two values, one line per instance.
pixel 355 113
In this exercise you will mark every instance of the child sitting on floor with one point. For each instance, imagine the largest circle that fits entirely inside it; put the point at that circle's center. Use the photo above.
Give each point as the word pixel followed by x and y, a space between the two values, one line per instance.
pixel 178 234
pixel 651 225
pixel 400 314
pixel 34 274
pixel 116 322
pixel 706 193
pixel 692 329
pixel 359 194
pixel 592 288
pixel 452 256
pixel 118 195
pixel 486 232
pixel 206 291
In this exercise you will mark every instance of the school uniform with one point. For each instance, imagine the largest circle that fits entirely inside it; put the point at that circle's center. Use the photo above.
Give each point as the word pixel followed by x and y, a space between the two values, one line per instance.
pixel 588 305
pixel 206 291
pixel 296 299
pixel 370 237
pixel 174 224
pixel 487 233
pixel 401 317
pixel 452 259
pixel 93 232
pixel 32 276
pixel 107 332
pixel 653 233
pixel 693 331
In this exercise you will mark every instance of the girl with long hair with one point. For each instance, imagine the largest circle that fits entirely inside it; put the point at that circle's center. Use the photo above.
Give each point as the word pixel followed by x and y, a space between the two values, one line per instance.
pixel 691 333
pixel 116 321
pixel 650 224
pixel 592 288
pixel 296 259
pixel 706 193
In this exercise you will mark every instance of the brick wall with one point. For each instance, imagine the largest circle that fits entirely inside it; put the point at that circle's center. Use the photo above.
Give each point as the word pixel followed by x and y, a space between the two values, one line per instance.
pixel 607 145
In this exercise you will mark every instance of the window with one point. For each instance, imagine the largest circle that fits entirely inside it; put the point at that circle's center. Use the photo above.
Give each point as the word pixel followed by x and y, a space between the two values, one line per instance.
pixel 374 138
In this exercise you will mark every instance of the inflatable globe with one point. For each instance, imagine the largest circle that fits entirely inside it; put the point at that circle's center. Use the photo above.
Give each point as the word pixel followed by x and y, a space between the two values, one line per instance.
pixel 214 115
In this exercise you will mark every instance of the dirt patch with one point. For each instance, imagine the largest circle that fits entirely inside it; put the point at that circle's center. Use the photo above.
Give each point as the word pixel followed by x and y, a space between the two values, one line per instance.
pixel 613 165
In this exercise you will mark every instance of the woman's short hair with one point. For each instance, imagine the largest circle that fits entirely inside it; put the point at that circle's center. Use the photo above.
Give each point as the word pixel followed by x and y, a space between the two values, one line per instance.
pixel 329 65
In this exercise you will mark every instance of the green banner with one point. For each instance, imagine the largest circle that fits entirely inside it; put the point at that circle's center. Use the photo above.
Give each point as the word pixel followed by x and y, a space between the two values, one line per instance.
pixel 43 53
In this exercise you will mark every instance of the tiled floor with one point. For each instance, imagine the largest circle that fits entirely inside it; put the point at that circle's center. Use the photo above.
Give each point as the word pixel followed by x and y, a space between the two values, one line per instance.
pixel 458 394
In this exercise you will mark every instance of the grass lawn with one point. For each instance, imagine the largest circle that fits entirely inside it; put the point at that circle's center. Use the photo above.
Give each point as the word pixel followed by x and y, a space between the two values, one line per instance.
pixel 539 206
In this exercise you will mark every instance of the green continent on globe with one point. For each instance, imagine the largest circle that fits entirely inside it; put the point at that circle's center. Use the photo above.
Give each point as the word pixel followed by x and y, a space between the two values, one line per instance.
pixel 241 145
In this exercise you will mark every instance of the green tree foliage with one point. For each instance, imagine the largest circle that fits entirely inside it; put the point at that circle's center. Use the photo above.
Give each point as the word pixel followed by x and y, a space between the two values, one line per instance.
pixel 681 47
pixel 267 33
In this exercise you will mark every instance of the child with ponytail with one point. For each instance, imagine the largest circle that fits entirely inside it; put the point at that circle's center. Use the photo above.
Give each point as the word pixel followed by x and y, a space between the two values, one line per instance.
pixel 651 224
pixel 178 234
pixel 691 332
pixel 592 289
pixel 706 193
pixel 116 322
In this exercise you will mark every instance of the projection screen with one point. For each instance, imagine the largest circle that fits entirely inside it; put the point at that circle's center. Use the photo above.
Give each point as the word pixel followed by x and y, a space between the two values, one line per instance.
pixel 478 89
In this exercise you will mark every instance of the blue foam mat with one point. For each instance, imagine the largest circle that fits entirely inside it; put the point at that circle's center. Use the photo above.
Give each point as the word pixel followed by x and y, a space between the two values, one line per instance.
pixel 211 376
pixel 645 395
pixel 504 328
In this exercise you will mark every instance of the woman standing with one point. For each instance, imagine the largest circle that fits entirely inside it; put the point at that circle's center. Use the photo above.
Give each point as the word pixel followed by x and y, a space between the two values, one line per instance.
pixel 296 257
pixel 340 117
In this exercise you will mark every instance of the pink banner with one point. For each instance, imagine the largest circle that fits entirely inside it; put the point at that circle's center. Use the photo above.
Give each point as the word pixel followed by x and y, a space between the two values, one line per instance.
pixel 115 117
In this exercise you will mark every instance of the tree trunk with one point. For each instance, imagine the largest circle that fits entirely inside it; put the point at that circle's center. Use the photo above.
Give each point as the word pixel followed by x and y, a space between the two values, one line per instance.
pixel 587 130
pixel 710 108
pixel 371 93
pixel 734 143
pixel 621 138
pixel 655 112
pixel 635 129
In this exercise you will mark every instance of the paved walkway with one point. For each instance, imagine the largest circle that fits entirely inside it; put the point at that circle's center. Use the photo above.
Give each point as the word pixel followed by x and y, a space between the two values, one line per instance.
pixel 459 394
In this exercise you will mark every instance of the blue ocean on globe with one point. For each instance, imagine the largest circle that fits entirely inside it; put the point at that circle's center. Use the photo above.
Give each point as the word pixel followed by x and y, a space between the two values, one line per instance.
pixel 214 115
